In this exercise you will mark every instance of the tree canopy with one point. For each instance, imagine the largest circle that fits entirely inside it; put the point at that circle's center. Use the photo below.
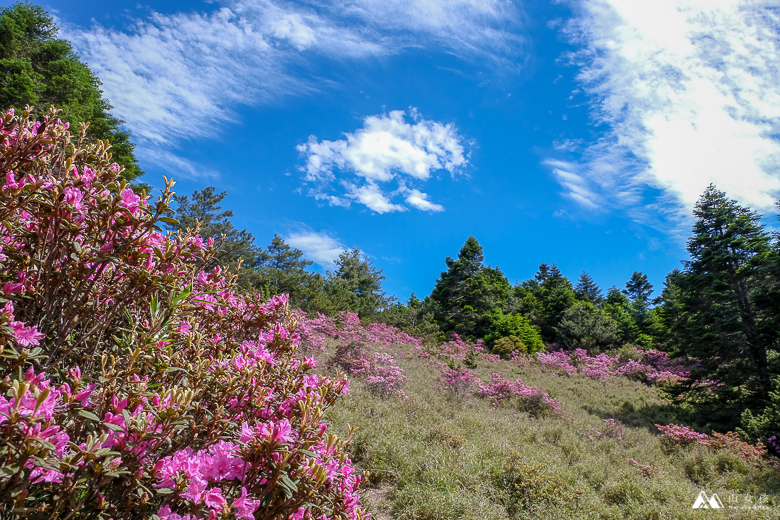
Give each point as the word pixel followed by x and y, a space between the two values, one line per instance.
pixel 38 69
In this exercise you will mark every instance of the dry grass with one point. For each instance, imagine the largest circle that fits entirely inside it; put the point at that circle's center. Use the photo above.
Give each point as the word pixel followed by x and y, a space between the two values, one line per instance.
pixel 438 457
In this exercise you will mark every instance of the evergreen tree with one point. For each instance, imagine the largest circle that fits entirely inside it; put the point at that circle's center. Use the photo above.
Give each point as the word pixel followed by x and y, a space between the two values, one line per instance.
pixel 467 293
pixel 556 296
pixel 587 290
pixel 204 209
pixel 719 323
pixel 618 307
pixel 585 326
pixel 638 288
pixel 282 269
pixel 356 285
pixel 37 68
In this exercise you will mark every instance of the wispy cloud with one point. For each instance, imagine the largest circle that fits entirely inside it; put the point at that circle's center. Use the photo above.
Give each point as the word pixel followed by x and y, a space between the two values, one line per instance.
pixel 319 247
pixel 387 150
pixel 690 93
pixel 184 76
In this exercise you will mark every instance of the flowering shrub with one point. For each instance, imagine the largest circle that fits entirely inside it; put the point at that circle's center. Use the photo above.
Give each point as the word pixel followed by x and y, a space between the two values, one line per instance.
pixel 653 367
pixel 613 429
pixel 674 435
pixel 531 399
pixel 345 328
pixel 133 384
pixel 458 381
pixel 731 442
pixel 382 376
pixel 646 470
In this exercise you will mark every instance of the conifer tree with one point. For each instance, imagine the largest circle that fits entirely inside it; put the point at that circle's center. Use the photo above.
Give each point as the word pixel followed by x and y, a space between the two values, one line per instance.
pixel 720 324
pixel 556 296
pixel 587 290
pixel 356 285
pixel 468 292
pixel 37 68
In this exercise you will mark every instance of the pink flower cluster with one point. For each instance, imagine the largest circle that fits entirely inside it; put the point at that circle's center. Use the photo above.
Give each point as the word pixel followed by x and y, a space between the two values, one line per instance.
pixel 379 370
pixel 532 399
pixel 132 382
pixel 346 327
pixel 673 434
pixel 654 367
pixel 465 382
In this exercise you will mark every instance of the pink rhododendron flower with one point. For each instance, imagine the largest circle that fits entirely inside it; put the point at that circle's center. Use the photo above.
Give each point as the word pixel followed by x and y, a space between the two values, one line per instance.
pixel 25 336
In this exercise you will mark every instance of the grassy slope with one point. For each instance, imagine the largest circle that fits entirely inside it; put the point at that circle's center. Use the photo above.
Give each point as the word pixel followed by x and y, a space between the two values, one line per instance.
pixel 434 456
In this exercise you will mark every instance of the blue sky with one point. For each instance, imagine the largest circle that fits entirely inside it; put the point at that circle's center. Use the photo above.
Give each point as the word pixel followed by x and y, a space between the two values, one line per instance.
pixel 575 132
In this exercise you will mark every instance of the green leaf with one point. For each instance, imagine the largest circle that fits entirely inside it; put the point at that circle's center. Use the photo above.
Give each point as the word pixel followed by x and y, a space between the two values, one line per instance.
pixel 11 469
pixel 288 484
pixel 89 415
pixel 114 427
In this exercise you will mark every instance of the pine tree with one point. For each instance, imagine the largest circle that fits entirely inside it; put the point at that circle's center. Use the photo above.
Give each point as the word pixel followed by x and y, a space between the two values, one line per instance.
pixel 587 290
pixel 356 285
pixel 204 208
pixel 281 269
pixel 555 295
pixel 467 293
pixel 718 322
pixel 638 288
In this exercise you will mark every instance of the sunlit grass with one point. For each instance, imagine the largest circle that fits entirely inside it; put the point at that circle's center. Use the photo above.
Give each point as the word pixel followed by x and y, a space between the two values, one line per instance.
pixel 435 456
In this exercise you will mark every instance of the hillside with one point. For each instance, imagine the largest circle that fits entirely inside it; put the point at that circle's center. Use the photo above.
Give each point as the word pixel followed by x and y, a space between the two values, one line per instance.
pixel 435 452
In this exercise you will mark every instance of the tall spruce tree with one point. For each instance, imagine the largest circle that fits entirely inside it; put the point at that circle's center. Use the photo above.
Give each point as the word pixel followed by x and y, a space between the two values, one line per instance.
pixel 468 294
pixel 37 68
pixel 718 322
pixel 556 296
pixel 587 289
pixel 282 269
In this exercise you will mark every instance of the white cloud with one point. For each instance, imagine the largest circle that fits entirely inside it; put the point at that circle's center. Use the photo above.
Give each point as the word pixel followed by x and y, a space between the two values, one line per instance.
pixel 387 149
pixel 577 186
pixel 690 91
pixel 183 76
pixel 372 197
pixel 321 247
pixel 419 200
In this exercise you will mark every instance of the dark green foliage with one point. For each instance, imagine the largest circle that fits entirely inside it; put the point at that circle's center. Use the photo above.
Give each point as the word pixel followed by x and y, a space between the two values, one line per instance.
pixel 588 290
pixel 618 307
pixel 280 269
pixel 763 425
pixel 356 285
pixel 415 318
pixel 38 69
pixel 714 316
pixel 638 288
pixel 555 294
pixel 468 292
pixel 588 327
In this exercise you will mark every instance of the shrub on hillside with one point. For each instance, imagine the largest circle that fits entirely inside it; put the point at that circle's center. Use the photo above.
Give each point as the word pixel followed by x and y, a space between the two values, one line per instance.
pixel 528 486
pixel 133 383
pixel 505 325
pixel 504 347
